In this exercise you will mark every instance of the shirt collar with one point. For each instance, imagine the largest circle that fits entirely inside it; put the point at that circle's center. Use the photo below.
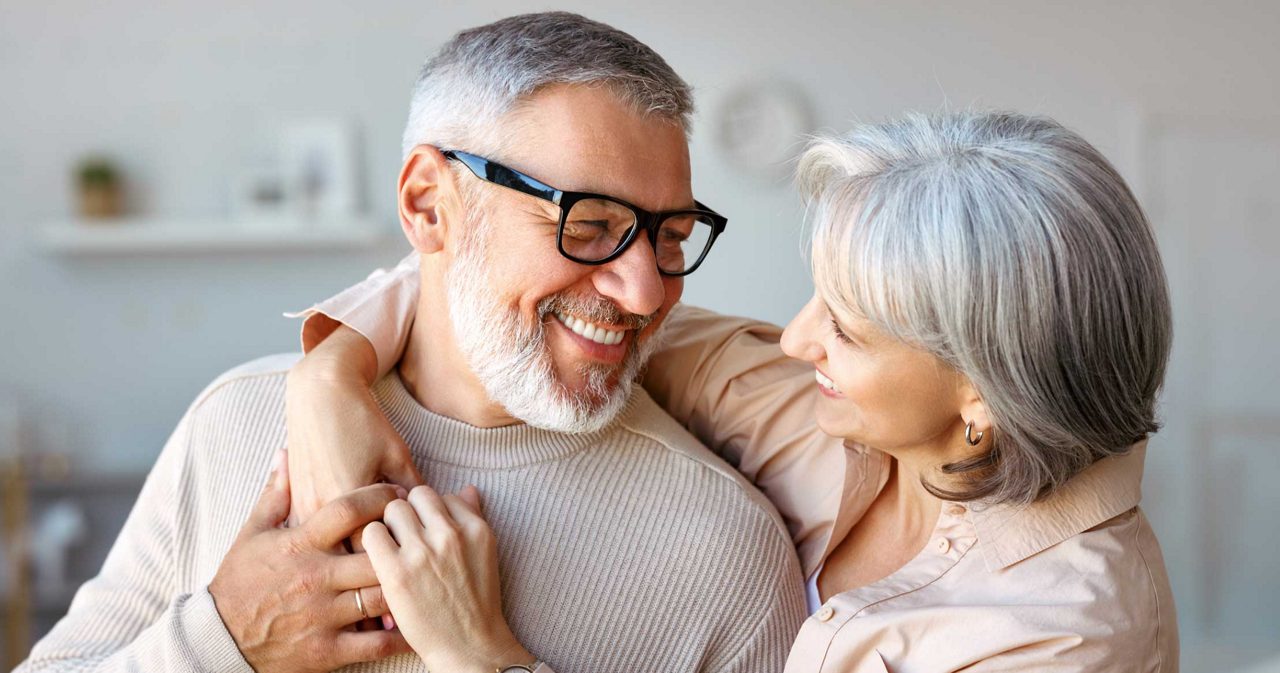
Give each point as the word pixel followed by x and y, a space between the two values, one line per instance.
pixel 1110 487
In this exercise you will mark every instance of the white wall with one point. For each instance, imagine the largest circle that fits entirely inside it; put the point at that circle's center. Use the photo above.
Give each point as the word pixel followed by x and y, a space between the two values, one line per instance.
pixel 104 355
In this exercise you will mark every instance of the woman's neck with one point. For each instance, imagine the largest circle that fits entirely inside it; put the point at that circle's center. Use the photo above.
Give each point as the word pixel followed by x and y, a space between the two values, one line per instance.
pixel 916 466
pixel 916 509
pixel 892 531
pixel 898 523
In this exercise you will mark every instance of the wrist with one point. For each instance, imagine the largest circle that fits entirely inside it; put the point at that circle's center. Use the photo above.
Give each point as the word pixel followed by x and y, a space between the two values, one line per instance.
pixel 512 655
pixel 349 361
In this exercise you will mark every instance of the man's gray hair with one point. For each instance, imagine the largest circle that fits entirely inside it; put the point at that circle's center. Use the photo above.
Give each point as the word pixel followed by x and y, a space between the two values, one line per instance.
pixel 483 73
pixel 1008 247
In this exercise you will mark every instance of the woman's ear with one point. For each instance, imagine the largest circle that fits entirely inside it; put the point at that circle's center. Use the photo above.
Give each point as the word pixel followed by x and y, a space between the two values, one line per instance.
pixel 973 409
pixel 427 193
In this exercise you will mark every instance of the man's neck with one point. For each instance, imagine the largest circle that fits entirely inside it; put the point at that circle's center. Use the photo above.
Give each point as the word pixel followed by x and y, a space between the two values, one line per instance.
pixel 435 371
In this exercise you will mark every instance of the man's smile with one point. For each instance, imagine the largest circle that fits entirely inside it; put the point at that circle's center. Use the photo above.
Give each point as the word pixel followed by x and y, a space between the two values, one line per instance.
pixel 603 343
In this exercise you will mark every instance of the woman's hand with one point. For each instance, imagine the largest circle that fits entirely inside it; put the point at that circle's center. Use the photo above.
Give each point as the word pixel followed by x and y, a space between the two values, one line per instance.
pixel 437 561
pixel 339 439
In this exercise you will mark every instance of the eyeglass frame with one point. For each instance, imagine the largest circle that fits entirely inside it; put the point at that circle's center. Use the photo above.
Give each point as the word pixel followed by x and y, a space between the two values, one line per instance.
pixel 650 221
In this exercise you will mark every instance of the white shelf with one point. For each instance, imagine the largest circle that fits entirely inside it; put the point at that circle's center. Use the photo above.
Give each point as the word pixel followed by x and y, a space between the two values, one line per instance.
pixel 208 236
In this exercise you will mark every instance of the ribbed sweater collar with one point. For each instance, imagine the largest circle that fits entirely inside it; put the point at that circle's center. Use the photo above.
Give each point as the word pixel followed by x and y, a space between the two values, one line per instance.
pixel 446 440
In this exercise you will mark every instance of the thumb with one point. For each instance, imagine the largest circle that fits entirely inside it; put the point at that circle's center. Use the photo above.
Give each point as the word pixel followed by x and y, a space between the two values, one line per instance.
pixel 398 468
pixel 471 496
pixel 273 504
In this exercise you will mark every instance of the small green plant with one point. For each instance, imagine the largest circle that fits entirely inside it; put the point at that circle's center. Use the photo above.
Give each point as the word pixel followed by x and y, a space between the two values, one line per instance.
pixel 98 172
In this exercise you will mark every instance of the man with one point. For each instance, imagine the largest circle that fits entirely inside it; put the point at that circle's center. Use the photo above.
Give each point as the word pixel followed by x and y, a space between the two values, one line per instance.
pixel 546 191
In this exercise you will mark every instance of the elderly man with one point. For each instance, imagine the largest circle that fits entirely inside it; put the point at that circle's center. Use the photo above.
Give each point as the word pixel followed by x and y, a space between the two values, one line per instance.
pixel 624 544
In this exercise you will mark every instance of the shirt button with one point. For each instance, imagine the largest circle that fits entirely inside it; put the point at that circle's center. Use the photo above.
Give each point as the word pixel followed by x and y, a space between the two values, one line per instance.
pixel 825 614
pixel 942 545
pixel 956 510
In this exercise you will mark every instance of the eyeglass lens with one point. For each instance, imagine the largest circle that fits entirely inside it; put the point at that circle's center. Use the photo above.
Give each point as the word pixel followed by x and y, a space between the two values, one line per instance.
pixel 595 228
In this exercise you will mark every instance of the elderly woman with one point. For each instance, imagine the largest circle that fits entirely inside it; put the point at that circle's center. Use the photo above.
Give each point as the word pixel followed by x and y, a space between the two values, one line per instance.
pixel 988 334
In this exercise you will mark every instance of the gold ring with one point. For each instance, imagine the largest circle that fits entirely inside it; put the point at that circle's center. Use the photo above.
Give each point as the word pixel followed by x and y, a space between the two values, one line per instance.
pixel 360 605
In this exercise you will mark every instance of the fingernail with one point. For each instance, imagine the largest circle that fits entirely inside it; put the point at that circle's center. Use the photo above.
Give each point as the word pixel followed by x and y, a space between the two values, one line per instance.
pixel 388 622
pixel 278 460
pixel 401 493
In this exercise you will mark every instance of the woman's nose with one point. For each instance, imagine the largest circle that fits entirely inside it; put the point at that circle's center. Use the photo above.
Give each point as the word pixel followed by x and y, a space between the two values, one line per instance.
pixel 800 339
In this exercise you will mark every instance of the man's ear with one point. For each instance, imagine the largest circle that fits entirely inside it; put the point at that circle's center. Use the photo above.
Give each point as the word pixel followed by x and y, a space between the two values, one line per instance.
pixel 427 198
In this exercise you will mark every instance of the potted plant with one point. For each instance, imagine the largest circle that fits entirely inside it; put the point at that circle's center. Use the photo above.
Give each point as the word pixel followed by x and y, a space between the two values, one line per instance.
pixel 101 192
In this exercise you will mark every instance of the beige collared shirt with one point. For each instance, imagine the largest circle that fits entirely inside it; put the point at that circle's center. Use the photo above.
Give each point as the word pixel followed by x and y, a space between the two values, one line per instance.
pixel 1075 582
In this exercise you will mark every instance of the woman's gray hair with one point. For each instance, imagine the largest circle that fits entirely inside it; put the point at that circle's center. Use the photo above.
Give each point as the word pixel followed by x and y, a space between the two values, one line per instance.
pixel 1008 247
pixel 483 73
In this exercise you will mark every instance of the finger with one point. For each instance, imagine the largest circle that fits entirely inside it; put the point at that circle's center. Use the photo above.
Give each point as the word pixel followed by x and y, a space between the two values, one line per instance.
pixel 357 541
pixel 398 466
pixel 272 507
pixel 480 541
pixel 437 524
pixel 301 506
pixel 346 610
pixel 355 647
pixel 463 513
pixel 357 538
pixel 337 520
pixel 403 522
pixel 471 495
pixel 350 571
pixel 382 551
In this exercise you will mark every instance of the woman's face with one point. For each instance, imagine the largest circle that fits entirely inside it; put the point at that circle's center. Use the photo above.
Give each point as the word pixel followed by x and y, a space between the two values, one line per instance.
pixel 875 390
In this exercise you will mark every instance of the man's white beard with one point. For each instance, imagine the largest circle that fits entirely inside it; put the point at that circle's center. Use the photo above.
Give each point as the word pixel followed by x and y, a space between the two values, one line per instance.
pixel 514 364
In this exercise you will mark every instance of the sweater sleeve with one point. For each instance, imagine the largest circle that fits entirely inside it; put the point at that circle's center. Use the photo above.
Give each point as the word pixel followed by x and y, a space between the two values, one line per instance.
pixel 770 628
pixel 131 617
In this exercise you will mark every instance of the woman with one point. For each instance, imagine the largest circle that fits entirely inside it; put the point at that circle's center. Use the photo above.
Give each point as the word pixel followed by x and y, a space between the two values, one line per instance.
pixel 989 331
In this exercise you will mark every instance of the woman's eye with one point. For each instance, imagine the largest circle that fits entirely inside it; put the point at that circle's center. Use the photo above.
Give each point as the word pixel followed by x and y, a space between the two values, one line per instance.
pixel 840 334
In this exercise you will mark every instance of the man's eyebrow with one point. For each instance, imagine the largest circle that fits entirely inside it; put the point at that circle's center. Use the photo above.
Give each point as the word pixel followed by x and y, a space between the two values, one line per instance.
pixel 692 202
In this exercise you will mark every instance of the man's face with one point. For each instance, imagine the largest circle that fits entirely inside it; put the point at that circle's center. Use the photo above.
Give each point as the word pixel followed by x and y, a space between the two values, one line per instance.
pixel 539 329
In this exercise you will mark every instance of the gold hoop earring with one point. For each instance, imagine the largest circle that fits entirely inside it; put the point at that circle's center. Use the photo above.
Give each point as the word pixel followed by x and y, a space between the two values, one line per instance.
pixel 968 435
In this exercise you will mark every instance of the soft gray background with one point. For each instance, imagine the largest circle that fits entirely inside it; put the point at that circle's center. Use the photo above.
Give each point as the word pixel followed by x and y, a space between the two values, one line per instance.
pixel 101 355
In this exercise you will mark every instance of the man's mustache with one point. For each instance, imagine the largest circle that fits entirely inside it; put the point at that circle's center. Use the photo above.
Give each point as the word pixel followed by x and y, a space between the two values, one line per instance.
pixel 594 309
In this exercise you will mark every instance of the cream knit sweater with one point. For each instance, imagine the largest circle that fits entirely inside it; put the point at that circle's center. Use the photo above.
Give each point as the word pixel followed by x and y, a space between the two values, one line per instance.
pixel 631 549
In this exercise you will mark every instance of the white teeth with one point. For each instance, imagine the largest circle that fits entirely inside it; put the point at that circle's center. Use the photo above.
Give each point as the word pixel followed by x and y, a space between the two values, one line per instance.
pixel 825 382
pixel 591 331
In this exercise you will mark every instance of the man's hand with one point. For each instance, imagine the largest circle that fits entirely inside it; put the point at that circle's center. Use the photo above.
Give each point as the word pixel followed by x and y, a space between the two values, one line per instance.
pixel 287 595
pixel 440 571
pixel 339 439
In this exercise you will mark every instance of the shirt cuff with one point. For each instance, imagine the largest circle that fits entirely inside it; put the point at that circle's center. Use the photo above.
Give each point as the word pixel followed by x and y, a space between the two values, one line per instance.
pixel 210 645
pixel 380 308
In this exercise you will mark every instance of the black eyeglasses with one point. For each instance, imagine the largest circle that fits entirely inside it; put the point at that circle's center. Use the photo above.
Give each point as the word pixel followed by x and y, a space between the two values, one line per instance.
pixel 596 229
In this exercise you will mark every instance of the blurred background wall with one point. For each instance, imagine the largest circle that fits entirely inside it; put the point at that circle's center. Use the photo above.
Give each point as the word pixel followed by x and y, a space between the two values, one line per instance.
pixel 100 352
